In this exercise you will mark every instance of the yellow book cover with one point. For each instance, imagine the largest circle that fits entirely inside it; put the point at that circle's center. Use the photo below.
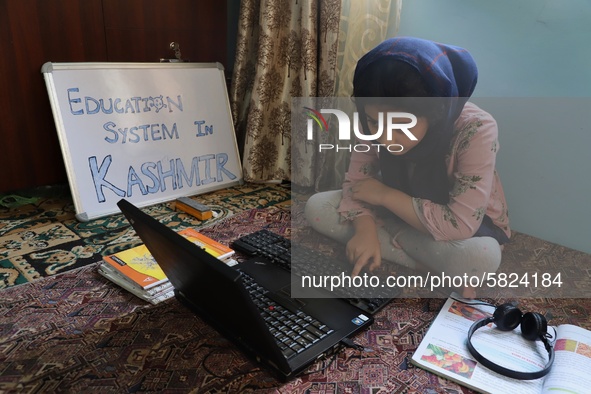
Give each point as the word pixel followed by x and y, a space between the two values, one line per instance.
pixel 138 265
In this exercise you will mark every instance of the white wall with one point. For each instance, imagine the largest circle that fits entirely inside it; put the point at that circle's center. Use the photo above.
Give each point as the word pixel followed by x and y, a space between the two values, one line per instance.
pixel 534 59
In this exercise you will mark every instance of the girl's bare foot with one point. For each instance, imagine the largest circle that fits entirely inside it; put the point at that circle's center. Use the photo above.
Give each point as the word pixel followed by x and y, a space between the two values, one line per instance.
pixel 469 292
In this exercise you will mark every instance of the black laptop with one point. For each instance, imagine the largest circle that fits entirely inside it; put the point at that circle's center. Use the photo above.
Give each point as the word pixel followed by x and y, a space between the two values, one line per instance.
pixel 250 303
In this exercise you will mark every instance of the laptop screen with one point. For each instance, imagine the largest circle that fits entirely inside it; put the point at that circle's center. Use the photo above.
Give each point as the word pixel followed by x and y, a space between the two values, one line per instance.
pixel 209 287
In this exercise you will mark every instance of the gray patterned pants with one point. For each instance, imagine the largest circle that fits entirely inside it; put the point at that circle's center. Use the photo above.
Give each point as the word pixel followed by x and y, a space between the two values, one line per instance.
pixel 404 245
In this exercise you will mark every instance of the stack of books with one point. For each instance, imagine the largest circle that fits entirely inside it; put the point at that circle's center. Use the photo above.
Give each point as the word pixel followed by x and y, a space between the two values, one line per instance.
pixel 137 271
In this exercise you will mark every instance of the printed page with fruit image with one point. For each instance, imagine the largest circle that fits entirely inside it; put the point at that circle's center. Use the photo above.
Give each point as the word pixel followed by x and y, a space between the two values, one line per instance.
pixel 443 351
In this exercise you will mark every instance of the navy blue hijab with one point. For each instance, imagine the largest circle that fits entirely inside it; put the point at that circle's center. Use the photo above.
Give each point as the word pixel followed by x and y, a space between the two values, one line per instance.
pixel 443 71
pixel 433 70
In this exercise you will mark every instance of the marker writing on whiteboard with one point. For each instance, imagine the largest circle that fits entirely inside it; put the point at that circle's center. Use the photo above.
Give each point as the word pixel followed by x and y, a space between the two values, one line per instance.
pixel 154 177
pixel 89 105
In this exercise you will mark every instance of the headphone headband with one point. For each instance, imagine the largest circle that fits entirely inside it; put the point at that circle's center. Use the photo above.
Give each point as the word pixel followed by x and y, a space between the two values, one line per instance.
pixel 539 325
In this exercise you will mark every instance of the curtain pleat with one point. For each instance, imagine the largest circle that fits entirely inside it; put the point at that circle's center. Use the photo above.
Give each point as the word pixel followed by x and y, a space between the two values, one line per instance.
pixel 303 48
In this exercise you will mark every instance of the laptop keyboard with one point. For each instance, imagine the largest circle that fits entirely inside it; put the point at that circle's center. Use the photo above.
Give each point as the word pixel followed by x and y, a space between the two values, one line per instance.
pixel 277 249
pixel 293 331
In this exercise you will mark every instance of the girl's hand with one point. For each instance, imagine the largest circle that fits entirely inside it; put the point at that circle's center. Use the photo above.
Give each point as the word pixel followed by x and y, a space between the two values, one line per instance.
pixel 363 249
pixel 370 191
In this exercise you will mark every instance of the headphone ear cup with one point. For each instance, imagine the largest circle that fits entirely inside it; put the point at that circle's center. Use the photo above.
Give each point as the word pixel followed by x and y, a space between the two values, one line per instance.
pixel 507 317
pixel 533 326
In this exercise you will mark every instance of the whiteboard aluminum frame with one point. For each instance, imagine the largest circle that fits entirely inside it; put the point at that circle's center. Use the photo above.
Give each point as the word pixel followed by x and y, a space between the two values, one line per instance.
pixel 47 70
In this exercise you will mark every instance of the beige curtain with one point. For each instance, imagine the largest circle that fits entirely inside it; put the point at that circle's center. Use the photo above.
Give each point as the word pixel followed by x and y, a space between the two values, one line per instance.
pixel 297 48
pixel 363 25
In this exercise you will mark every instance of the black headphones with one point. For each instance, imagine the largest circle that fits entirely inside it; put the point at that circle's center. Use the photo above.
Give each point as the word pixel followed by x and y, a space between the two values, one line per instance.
pixel 506 318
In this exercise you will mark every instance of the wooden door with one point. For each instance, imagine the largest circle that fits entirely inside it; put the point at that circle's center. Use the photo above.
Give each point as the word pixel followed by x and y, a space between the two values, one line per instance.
pixel 141 30
pixel 33 32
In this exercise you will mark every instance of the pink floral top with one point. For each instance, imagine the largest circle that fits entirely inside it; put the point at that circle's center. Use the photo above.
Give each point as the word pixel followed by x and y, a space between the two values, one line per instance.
pixel 477 189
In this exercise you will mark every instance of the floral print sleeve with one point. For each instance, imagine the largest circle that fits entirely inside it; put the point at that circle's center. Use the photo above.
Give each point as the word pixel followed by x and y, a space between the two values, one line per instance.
pixel 476 189
pixel 362 165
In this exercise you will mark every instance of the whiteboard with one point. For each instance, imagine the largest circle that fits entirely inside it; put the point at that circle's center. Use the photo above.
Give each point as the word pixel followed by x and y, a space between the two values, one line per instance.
pixel 147 132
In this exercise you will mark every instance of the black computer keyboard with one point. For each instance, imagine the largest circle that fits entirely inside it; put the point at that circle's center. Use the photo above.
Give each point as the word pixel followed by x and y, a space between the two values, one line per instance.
pixel 266 244
pixel 278 250
pixel 294 332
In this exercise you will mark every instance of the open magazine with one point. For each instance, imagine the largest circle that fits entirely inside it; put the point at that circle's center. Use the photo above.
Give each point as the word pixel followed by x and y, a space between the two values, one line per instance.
pixel 443 351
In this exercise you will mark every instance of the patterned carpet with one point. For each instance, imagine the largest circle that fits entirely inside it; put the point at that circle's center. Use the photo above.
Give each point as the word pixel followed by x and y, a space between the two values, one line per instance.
pixel 77 333
pixel 40 236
